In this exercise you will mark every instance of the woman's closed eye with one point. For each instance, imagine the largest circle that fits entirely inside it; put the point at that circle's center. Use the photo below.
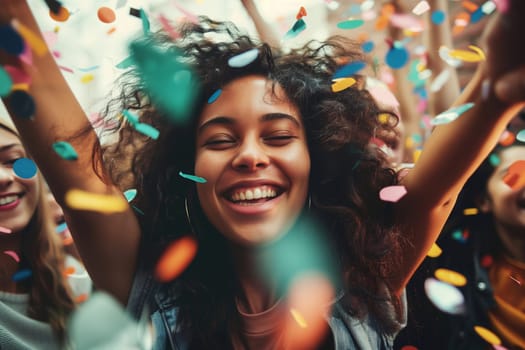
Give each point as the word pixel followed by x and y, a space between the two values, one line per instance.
pixel 220 142
pixel 279 139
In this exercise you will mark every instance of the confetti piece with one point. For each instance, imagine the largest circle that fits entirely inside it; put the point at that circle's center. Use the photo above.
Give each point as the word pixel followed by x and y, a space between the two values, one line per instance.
pixel 243 59
pixel 437 17
pixel 392 193
pixel 341 84
pixel 407 22
pixel 145 22
pixel 6 83
pixel 396 57
pixel 37 44
pixel 460 235
pixel 53 5
pixel 65 150
pixel 451 114
pixel 61 227
pixel 18 76
pixel 81 298
pixel 409 347
pixel 10 40
pixel 350 24
pixel 192 177
pixel 24 168
pixel 520 136
pixel 434 251
pixel 297 28
pixel 507 138
pixel 189 16
pixel 175 259
pixel 214 96
pixel 162 73
pixel 69 270
pixel 515 176
pixel 298 318
pixel 166 26
pixel 12 254
pixel 125 63
pixel 502 5
pixel 67 69
pixel 421 8
pixel 444 54
pixel 349 69
pixel 487 335
pixel 106 204
pixel 86 78
pixel 147 130
pixel 368 46
pixel 515 279
pixel 445 297
pixel 61 15
pixel 440 80
pixel 451 277
pixel 21 275
pixel 301 13
pixel 130 194
pixel 131 117
pixel 470 211
pixel 468 56
pixel 5 231
pixel 106 15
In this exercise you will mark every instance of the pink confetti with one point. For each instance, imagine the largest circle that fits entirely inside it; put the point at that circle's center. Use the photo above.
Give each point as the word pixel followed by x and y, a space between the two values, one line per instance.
pixel 12 254
pixel 515 279
pixel 27 55
pixel 502 5
pixel 392 193
pixel 5 231
pixel 168 28
pixel 69 70
pixel 404 21
pixel 190 16
pixel 17 75
pixel 385 96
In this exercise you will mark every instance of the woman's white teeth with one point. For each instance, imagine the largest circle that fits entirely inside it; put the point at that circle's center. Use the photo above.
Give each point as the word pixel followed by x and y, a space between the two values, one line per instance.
pixel 256 193
pixel 8 200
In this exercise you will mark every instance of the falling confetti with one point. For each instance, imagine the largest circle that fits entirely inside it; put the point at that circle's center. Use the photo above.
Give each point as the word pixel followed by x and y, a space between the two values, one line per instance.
pixel 434 251
pixel 176 258
pixel 12 254
pixel 106 15
pixel 5 231
pixel 243 59
pixel 214 96
pixel 298 27
pixel 520 136
pixel 437 17
pixel 451 114
pixel 130 194
pixel 451 277
pixel 392 193
pixel 65 150
pixel 61 15
pixel 470 211
pixel 24 168
pixel 10 41
pixel 341 84
pixel 421 8
pixel 350 24
pixel 487 335
pixel 396 57
pixel 301 13
pixel 507 138
pixel 298 318
pixel 192 177
pixel 445 297
pixel 349 69
pixel 6 82
pixel 33 40
pixel 21 275
pixel 468 56
pixel 106 204
pixel 515 176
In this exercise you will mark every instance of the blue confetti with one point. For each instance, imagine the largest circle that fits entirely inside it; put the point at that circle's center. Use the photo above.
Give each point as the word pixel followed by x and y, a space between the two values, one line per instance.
pixel 437 17
pixel 214 96
pixel 297 28
pixel 24 168
pixel 61 227
pixel 21 275
pixel 349 69
pixel 193 177
pixel 477 15
pixel 243 59
pixel 396 57
pixel 368 46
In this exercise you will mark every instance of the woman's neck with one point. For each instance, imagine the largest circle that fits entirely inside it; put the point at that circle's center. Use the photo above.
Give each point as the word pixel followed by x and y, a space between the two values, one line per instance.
pixel 9 254
pixel 257 292
pixel 513 242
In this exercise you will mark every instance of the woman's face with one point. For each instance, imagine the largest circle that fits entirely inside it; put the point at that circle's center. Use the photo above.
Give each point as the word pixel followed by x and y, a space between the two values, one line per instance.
pixel 252 150
pixel 18 197
pixel 506 204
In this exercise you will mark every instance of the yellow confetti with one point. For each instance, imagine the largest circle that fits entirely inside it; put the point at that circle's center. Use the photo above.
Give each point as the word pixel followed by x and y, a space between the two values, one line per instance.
pixel 451 277
pixel 37 44
pixel 107 204
pixel 487 335
pixel 434 251
pixel 298 318
pixel 86 78
pixel 416 154
pixel 20 86
pixel 468 56
pixel 470 211
pixel 342 83
pixel 384 118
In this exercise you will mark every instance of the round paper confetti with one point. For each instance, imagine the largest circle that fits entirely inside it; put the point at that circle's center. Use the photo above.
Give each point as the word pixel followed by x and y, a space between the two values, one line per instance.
pixel 106 15
pixel 6 82
pixel 192 177
pixel 61 16
pixel 5 230
pixel 175 259
pixel 392 193
pixel 396 57
pixel 437 17
pixel 368 46
pixel 451 277
pixel 350 24
pixel 487 335
pixel 10 40
pixel 106 204
pixel 22 104
pixel 214 96
pixel 507 138
pixel 21 275
pixel 24 168
pixel 130 194
pixel 445 297
pixel 243 59
pixel 342 84
pixel 434 251
pixel 65 150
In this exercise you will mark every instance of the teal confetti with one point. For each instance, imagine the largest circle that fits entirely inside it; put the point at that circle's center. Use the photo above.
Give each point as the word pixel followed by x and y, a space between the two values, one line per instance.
pixel 145 22
pixel 6 83
pixel 130 117
pixel 368 46
pixel 214 96
pixel 125 63
pixel 21 275
pixel 437 17
pixel 494 160
pixel 451 114
pixel 520 136
pixel 297 28
pixel 61 228
pixel 198 179
pixel 243 59
pixel 65 150
pixel 137 210
pixel 147 130
pixel 24 168
pixel 169 81
pixel 350 24
pixel 130 194
pixel 349 69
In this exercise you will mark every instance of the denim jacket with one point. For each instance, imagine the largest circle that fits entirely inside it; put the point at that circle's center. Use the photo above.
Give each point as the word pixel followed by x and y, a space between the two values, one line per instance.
pixel 348 332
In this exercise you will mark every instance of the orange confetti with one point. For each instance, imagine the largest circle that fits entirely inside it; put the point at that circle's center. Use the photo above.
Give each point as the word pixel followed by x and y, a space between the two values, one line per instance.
pixel 381 23
pixel 61 16
pixel 507 138
pixel 469 6
pixel 69 270
pixel 111 30
pixel 81 298
pixel 106 15
pixel 515 176
pixel 175 259
pixel 301 13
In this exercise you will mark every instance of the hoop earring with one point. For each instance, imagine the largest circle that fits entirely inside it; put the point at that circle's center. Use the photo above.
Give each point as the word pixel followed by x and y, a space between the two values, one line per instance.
pixel 188 217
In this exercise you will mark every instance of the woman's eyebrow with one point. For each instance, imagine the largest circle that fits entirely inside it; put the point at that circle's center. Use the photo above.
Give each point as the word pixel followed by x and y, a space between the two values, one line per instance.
pixel 9 146
pixel 277 116
pixel 220 120
pixel 223 120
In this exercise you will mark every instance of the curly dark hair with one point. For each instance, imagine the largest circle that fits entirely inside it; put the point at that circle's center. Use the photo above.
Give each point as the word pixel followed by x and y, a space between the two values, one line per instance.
pixel 346 173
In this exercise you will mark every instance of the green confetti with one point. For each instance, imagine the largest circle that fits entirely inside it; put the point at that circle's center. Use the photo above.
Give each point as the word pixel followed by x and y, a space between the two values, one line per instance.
pixel 130 117
pixel 125 63
pixel 65 150
pixel 193 177
pixel 147 130
pixel 6 82
pixel 145 22
pixel 494 160
pixel 350 24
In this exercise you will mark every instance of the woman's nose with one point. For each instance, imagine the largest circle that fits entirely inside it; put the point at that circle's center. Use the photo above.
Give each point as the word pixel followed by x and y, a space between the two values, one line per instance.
pixel 6 176
pixel 251 156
